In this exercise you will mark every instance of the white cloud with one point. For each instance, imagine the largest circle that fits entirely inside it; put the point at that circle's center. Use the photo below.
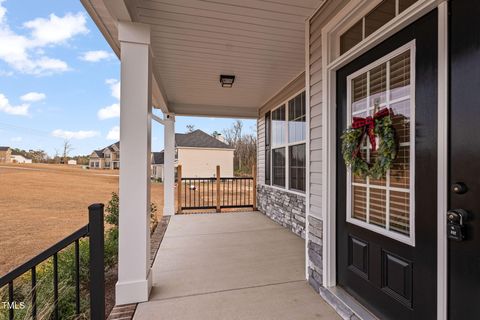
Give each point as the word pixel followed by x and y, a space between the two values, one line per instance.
pixel 4 73
pixel 114 133
pixel 55 30
pixel 26 54
pixel 5 106
pixel 33 96
pixel 79 135
pixel 46 64
pixel 114 87
pixel 16 139
pixel 112 111
pixel 95 56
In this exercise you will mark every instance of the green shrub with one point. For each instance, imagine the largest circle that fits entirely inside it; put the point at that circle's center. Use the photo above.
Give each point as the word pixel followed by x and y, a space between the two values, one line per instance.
pixel 112 216
pixel 67 275
pixel 44 287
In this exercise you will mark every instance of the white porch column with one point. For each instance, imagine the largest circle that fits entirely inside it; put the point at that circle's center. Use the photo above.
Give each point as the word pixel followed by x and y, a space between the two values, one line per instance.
pixel 134 278
pixel 169 165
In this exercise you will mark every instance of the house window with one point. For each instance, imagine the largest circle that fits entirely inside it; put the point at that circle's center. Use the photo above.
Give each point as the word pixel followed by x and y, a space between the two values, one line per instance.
pixel 372 21
pixel 286 132
pixel 278 126
pixel 268 151
pixel 297 167
pixel 385 205
pixel 278 167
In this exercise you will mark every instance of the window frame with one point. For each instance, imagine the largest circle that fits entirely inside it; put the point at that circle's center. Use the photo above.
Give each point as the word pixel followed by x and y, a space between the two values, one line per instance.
pixel 268 147
pixel 286 145
pixel 410 239
pixel 368 7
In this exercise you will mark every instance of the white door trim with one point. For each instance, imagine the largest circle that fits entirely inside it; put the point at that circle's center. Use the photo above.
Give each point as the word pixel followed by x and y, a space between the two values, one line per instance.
pixel 442 180
pixel 330 64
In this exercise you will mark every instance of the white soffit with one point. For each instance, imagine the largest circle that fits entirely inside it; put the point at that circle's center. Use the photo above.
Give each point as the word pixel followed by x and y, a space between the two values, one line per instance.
pixel 261 42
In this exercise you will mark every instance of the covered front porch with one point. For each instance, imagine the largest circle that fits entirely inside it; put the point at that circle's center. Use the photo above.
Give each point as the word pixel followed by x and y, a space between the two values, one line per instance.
pixel 231 266
pixel 211 59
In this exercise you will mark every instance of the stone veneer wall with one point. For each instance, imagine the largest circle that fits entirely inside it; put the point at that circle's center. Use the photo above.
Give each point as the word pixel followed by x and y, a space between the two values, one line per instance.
pixel 315 269
pixel 286 208
pixel 315 252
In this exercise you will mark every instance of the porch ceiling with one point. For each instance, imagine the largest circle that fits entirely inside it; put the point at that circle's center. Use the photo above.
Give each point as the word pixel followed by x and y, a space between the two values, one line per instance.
pixel 261 42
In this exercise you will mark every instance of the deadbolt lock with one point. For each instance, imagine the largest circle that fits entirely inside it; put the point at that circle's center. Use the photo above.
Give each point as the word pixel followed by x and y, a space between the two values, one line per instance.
pixel 455 224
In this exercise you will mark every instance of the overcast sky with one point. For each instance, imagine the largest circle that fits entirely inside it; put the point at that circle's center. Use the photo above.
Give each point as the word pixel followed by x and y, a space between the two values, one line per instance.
pixel 59 80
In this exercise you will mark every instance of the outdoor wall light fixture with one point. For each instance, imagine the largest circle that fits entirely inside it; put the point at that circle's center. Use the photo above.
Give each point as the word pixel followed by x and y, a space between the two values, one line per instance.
pixel 227 81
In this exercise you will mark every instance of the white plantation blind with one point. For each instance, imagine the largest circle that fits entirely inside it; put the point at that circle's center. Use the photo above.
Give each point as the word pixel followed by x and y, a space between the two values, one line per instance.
pixel 385 205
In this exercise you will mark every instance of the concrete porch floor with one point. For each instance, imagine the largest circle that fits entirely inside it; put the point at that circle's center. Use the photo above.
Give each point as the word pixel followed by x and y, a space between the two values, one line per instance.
pixel 231 266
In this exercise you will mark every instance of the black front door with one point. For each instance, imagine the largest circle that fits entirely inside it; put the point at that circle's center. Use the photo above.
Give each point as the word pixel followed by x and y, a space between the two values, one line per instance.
pixel 464 158
pixel 386 228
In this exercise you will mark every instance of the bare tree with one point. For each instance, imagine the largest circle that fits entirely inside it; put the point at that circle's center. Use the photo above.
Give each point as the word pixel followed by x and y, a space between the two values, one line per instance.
pixel 245 155
pixel 234 134
pixel 67 148
pixel 190 127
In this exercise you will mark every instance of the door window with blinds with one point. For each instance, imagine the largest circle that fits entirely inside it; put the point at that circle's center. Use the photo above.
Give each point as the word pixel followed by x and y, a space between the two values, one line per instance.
pixel 386 205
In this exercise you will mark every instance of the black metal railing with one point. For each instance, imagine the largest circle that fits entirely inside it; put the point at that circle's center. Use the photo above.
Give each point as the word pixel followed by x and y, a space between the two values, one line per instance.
pixel 204 193
pixel 199 193
pixel 236 192
pixel 95 231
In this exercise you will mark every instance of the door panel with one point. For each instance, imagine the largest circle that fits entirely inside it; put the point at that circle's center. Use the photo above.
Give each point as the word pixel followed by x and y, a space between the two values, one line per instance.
pixel 384 261
pixel 464 157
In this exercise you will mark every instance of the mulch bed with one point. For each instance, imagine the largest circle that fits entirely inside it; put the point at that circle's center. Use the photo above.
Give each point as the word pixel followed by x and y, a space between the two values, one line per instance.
pixel 125 312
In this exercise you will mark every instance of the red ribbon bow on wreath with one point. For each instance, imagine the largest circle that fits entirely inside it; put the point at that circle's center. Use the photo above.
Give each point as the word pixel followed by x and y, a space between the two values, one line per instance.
pixel 368 124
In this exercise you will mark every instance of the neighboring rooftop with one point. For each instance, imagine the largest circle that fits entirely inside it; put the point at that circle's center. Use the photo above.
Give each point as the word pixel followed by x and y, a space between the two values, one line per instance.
pixel 4 148
pixel 16 153
pixel 194 139
pixel 158 157
pixel 199 139
pixel 99 152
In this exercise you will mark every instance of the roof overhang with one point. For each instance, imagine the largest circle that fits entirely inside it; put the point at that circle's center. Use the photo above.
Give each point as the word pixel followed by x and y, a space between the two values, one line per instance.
pixel 193 42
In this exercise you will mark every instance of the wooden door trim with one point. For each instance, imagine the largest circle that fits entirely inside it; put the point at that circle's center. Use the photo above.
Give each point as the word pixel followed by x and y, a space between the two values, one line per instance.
pixel 329 69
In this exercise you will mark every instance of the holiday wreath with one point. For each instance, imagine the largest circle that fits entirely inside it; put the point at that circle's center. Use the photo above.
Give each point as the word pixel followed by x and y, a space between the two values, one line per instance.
pixel 377 126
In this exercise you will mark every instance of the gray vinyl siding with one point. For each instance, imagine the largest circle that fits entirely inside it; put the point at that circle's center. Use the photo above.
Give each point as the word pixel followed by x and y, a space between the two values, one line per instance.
pixel 315 118
pixel 316 96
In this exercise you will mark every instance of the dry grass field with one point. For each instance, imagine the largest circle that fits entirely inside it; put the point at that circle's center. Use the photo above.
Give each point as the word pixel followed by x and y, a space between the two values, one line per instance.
pixel 40 204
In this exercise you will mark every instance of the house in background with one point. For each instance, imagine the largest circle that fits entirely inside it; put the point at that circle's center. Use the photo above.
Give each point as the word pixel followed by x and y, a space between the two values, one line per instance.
pixel 8 155
pixel 5 154
pixel 17 157
pixel 158 159
pixel 199 154
pixel 106 158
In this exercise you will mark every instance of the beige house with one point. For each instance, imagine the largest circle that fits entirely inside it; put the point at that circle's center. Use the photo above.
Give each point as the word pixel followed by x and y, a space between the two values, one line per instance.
pixel 5 154
pixel 199 154
pixel 106 158
pixel 17 157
